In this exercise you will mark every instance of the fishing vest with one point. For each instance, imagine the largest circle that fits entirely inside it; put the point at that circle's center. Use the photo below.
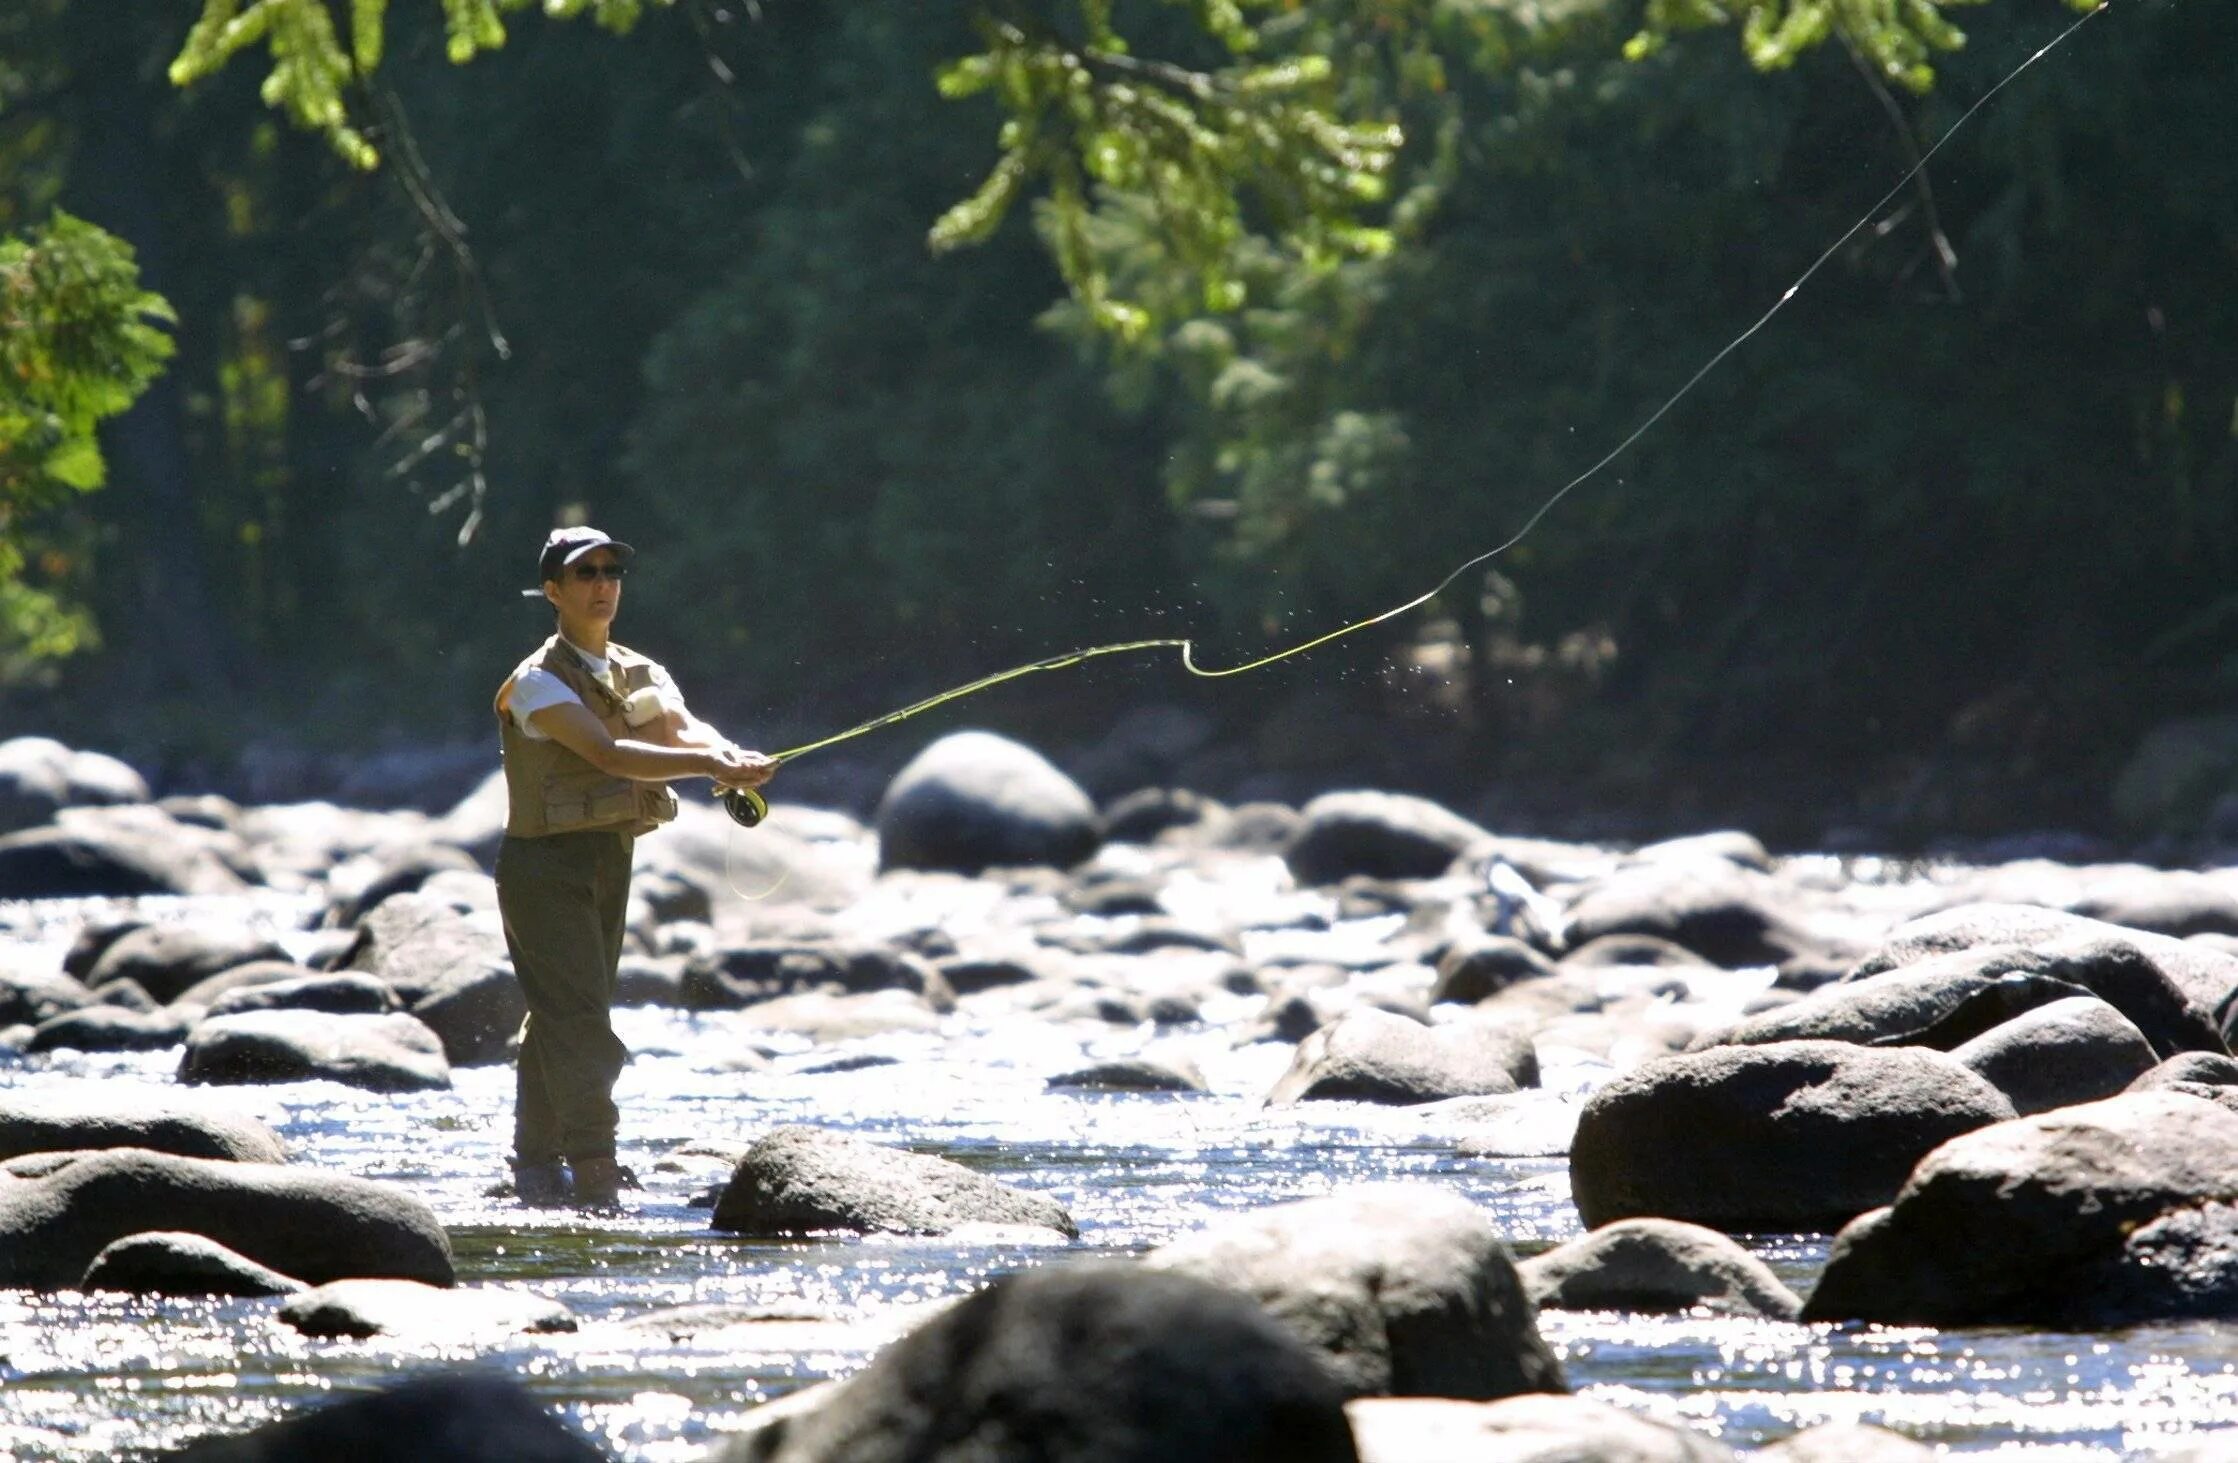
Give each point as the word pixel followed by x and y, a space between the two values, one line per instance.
pixel 549 789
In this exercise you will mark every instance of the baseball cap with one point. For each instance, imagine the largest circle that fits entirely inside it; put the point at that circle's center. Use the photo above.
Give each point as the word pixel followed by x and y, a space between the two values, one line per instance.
pixel 563 546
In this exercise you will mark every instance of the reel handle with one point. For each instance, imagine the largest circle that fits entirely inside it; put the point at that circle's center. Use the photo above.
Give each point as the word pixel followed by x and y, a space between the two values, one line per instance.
pixel 746 807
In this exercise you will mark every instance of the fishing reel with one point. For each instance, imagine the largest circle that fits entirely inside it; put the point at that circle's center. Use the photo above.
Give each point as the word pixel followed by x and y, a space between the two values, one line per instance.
pixel 746 807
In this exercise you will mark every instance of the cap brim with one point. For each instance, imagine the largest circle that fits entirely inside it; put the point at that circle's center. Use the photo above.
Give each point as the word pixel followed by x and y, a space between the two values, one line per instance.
pixel 621 550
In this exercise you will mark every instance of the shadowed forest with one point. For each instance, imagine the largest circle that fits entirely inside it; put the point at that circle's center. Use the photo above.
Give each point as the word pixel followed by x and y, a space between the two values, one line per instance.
pixel 1948 550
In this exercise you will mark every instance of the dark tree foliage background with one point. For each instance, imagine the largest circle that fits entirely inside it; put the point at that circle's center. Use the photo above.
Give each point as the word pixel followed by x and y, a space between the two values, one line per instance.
pixel 1934 554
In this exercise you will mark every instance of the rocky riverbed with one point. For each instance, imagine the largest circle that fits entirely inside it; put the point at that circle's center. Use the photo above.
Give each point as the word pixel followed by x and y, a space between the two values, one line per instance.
pixel 1157 1130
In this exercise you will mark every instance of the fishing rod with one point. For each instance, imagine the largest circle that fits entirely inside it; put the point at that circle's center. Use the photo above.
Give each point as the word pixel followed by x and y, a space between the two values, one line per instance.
pixel 748 807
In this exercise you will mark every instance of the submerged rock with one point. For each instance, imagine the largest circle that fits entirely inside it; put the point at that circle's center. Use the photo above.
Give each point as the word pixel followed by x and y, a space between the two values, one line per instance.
pixel 1101 1363
pixel 1531 1429
pixel 412 1308
pixel 380 1053
pixel 469 1417
pixel 170 1262
pixel 1656 1265
pixel 1404 1289
pixel 1367 1055
pixel 798 1181
pixel 311 1225
pixel 97 1115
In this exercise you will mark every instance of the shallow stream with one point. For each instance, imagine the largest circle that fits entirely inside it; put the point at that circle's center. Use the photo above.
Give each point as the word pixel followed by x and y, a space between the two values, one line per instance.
pixel 107 1376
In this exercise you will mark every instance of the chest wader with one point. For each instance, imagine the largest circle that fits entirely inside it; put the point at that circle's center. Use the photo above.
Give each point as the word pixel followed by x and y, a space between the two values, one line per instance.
pixel 563 890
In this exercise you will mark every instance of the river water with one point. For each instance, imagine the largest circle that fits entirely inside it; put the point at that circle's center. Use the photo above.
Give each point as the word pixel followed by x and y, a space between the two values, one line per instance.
pixel 106 1376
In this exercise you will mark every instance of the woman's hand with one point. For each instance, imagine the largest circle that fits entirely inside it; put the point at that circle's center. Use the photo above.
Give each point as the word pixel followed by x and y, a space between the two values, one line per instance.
pixel 734 766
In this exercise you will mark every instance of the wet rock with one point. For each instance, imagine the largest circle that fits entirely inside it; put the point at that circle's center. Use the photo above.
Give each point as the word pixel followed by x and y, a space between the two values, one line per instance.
pixel 1108 898
pixel 1368 1055
pixel 451 970
pixel 1384 835
pixel 359 884
pixel 2189 1069
pixel 1072 1364
pixel 797 1181
pixel 973 800
pixel 1404 1289
pixel 2071 1051
pixel 1530 1124
pixel 343 993
pixel 467 1417
pixel 2205 977
pixel 379 1053
pixel 1471 971
pixel 1728 915
pixel 301 1222
pixel 1847 1442
pixel 127 993
pixel 32 996
pixel 969 975
pixel 649 981
pixel 171 1262
pixel 107 1028
pixel 1793 1136
pixel 412 1308
pixel 100 1115
pixel 90 852
pixel 1944 1000
pixel 40 776
pixel 412 941
pixel 1136 1074
pixel 1142 815
pixel 824 1019
pixel 2086 1217
pixel 1656 1265
pixel 205 993
pixel 166 959
pixel 741 975
pixel 1529 1429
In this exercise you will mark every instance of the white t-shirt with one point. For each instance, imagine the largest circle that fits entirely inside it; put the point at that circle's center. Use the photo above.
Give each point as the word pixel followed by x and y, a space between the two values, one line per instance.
pixel 536 688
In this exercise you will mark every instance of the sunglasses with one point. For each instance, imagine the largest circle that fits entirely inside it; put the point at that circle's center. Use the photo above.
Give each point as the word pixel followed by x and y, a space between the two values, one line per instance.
pixel 588 572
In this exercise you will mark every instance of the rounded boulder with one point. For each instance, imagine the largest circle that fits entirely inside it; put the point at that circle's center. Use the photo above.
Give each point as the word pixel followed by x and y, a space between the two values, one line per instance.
pixel 974 801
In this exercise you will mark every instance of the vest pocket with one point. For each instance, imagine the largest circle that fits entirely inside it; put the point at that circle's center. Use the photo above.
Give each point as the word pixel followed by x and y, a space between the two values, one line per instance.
pixel 609 801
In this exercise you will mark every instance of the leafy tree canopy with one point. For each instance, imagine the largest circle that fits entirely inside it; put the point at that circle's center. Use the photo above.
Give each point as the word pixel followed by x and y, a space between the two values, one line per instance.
pixel 1227 122
pixel 79 341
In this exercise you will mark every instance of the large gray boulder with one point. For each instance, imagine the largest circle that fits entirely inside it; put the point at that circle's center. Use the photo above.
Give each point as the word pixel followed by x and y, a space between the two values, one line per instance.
pixel 1945 999
pixel 2086 1217
pixel 1656 1265
pixel 2206 977
pixel 106 1028
pixel 799 1181
pixel 1530 1429
pixel 91 852
pixel 451 970
pixel 2071 1051
pixel 973 801
pixel 1793 1136
pixel 464 1417
pixel 395 1053
pixel 1384 835
pixel 171 1262
pixel 165 960
pixel 1404 1290
pixel 1101 1363
pixel 1729 915
pixel 39 777
pixel 1368 1055
pixel 101 1115
pixel 58 1211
